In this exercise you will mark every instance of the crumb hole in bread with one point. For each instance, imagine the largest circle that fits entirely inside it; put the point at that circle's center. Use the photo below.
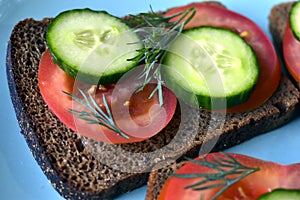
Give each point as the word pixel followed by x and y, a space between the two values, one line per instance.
pixel 79 145
pixel 280 107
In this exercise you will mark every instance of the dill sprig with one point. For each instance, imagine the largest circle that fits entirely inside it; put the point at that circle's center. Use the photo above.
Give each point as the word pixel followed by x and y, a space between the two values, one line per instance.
pixel 224 167
pixel 96 115
pixel 156 32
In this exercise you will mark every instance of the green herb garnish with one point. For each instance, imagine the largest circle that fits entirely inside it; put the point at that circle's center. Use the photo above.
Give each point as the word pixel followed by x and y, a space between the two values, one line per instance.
pixel 156 32
pixel 96 114
pixel 224 167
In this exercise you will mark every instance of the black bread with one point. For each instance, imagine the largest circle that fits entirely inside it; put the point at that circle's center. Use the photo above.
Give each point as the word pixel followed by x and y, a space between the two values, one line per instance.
pixel 72 163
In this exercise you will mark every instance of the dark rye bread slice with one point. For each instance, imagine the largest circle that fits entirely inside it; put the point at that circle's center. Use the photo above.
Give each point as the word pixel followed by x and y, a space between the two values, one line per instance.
pixel 71 168
pixel 72 171
pixel 80 168
pixel 277 23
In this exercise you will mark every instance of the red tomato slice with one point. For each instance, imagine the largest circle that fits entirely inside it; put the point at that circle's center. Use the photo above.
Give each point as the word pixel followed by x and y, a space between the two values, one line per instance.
pixel 291 49
pixel 145 116
pixel 269 176
pixel 270 73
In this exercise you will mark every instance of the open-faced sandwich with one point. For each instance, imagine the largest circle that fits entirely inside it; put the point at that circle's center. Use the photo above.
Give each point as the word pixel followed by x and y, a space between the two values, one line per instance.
pixel 101 100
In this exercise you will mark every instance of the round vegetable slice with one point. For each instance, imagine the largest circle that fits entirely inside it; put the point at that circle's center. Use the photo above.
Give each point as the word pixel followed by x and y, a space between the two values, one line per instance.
pixel 270 73
pixel 268 177
pixel 214 64
pixel 92 46
pixel 53 82
pixel 291 49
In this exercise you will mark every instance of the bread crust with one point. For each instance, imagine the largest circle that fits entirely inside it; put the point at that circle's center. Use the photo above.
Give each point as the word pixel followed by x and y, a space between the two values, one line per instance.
pixel 73 169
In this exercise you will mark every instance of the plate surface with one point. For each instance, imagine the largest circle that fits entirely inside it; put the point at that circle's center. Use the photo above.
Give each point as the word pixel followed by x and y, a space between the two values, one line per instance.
pixel 22 178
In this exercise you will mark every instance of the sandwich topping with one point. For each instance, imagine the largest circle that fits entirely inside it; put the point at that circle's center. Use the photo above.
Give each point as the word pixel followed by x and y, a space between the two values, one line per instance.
pixel 54 83
pixel 135 58
pixel 231 176
pixel 100 50
pixel 268 61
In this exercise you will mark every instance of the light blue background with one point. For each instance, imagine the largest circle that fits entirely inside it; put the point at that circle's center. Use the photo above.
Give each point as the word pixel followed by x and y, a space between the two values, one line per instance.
pixel 21 177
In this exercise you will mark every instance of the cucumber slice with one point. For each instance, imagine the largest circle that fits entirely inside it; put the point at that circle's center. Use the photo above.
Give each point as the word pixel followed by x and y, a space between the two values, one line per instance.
pixel 213 68
pixel 295 19
pixel 281 194
pixel 92 46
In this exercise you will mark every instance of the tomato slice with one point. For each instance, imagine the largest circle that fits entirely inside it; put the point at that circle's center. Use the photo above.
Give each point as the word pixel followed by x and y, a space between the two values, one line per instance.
pixel 269 176
pixel 270 73
pixel 291 49
pixel 136 115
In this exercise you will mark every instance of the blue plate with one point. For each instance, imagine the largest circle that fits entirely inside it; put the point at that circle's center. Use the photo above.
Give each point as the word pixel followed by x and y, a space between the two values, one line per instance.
pixel 22 178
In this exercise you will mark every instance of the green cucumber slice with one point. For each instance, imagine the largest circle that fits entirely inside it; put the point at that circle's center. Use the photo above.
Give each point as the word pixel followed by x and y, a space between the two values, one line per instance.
pixel 92 46
pixel 281 194
pixel 295 19
pixel 213 68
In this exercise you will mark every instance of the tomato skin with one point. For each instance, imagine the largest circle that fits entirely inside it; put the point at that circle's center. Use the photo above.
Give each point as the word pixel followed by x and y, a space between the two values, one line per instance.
pixel 270 72
pixel 270 176
pixel 291 49
pixel 53 81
